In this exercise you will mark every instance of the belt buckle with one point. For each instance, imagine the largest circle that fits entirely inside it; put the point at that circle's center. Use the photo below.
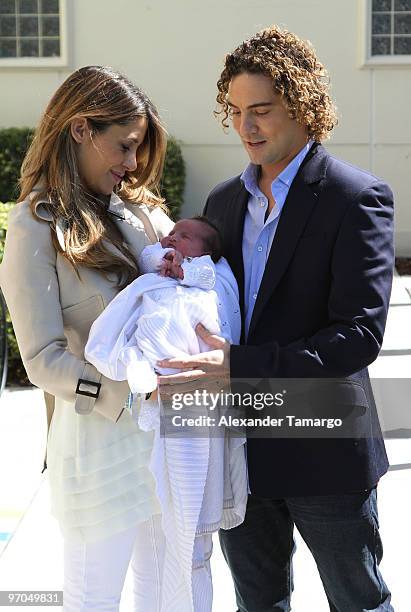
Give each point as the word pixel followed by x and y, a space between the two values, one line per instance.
pixel 87 391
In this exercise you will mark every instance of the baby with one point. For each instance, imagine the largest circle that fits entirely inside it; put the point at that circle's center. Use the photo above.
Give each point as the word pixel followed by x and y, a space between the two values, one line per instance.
pixel 196 237
pixel 185 281
pixel 201 481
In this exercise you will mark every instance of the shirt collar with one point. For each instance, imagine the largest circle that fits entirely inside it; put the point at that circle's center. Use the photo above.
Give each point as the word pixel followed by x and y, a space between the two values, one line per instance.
pixel 286 177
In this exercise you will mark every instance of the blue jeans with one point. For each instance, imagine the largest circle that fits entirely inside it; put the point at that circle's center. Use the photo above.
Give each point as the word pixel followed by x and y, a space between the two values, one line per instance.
pixel 341 532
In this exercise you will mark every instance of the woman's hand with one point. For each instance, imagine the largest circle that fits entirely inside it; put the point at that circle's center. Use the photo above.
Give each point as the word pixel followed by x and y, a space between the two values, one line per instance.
pixel 209 371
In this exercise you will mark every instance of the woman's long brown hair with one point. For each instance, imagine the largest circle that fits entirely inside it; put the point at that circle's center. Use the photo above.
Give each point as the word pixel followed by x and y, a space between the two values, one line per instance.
pixel 104 97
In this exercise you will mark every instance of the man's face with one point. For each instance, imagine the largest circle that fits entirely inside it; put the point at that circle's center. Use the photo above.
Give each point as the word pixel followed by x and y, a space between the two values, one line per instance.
pixel 260 117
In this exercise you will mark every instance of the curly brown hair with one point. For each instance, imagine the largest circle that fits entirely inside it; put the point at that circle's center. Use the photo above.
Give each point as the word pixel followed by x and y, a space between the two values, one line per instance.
pixel 297 75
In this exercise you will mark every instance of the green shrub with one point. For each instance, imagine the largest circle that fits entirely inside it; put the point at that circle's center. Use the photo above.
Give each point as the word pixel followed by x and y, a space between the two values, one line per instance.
pixel 13 145
pixel 173 181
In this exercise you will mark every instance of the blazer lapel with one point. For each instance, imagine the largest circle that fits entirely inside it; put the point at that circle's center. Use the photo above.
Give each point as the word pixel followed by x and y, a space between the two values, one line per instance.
pixel 298 206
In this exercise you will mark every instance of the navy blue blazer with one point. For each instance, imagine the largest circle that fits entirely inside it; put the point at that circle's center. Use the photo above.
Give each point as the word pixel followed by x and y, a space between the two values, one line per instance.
pixel 320 312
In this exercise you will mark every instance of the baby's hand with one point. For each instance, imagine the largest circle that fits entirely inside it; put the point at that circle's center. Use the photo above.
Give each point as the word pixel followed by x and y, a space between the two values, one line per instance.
pixel 174 256
pixel 171 265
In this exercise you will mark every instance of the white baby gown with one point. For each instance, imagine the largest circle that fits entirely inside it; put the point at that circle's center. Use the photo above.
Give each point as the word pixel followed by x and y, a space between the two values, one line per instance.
pixel 201 481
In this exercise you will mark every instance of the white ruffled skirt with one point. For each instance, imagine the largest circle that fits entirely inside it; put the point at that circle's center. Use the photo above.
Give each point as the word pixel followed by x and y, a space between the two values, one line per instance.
pixel 100 482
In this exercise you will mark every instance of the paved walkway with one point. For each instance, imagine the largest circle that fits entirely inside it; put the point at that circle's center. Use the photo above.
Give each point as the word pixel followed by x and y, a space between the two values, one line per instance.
pixel 31 545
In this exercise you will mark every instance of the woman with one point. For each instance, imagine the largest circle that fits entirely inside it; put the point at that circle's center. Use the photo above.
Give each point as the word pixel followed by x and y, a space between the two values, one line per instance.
pixel 88 206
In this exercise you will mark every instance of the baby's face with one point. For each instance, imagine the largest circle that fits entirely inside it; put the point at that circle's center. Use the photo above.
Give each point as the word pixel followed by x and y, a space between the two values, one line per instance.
pixel 187 237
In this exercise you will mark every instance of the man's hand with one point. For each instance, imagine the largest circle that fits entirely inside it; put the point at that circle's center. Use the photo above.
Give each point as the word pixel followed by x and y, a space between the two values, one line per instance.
pixel 209 371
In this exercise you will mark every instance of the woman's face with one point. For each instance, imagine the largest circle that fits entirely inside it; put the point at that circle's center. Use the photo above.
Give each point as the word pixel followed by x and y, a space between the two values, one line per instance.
pixel 104 158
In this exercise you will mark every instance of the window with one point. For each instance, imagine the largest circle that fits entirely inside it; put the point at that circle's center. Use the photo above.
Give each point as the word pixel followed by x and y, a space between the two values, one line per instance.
pixel 31 32
pixel 390 30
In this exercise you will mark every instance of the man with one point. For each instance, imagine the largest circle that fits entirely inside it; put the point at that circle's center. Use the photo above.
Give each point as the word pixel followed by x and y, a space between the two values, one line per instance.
pixel 309 239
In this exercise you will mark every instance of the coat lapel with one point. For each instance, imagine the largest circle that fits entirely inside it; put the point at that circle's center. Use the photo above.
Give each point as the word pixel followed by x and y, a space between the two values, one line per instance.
pixel 131 223
pixel 301 199
pixel 129 220
pixel 233 237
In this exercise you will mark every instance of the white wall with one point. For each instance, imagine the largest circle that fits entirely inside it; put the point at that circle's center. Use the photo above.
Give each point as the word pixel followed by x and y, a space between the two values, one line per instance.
pixel 174 50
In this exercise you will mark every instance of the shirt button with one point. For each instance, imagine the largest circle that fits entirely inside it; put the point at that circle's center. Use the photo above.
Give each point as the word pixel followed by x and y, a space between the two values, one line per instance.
pixel 259 249
pixel 255 296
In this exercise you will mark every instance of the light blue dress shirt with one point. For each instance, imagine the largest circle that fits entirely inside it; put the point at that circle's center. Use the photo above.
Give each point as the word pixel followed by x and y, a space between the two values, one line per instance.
pixel 258 235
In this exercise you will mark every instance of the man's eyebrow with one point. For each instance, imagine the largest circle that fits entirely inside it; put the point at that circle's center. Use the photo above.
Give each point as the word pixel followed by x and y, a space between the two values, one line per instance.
pixel 251 105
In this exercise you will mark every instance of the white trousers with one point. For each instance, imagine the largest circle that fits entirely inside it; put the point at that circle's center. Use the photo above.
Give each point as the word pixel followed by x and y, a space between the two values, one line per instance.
pixel 94 573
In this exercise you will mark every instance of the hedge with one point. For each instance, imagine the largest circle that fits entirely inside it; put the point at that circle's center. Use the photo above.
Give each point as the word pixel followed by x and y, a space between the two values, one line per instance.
pixel 174 175
pixel 13 144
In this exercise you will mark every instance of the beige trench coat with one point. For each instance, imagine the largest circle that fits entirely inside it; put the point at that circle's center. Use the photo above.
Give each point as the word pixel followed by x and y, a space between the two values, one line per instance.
pixel 52 309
